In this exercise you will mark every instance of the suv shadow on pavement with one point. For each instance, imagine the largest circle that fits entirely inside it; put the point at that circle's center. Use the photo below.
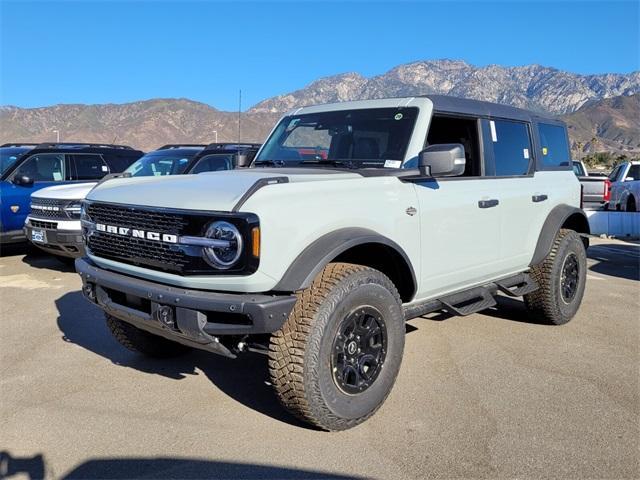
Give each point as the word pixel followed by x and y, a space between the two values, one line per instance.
pixel 616 260
pixel 244 379
pixel 159 468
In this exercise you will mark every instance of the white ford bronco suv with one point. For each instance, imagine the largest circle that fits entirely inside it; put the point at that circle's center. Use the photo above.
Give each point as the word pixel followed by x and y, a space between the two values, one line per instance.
pixel 353 218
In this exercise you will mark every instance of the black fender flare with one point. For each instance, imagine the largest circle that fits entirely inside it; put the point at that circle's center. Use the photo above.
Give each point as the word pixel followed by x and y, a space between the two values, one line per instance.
pixel 558 217
pixel 322 251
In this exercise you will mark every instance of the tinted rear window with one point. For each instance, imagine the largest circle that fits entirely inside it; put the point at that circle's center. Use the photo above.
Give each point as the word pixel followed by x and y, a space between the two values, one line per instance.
pixel 555 149
pixel 507 148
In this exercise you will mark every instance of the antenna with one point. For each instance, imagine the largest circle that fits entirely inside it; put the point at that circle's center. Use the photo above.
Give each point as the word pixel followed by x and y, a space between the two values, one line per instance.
pixel 239 110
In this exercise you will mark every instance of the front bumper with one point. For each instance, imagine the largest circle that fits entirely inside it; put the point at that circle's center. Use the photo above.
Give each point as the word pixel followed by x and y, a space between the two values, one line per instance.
pixel 66 243
pixel 198 317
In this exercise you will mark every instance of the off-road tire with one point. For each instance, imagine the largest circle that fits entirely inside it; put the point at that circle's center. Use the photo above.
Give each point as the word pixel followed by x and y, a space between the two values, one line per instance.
pixel 301 351
pixel 143 342
pixel 547 304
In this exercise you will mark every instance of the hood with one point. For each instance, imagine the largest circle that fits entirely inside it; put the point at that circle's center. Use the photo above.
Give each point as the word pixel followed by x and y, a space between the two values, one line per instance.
pixel 219 191
pixel 75 191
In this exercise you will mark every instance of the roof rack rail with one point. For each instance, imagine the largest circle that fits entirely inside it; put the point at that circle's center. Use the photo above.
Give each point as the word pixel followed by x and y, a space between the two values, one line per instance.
pixel 181 145
pixel 226 145
pixel 82 145
pixel 18 145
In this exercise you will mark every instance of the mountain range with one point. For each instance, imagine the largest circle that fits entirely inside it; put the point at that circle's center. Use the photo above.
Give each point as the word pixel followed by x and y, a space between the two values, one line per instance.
pixel 601 110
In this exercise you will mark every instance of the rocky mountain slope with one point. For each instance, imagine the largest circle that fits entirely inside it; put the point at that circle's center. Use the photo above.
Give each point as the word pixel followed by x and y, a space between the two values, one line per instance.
pixel 612 124
pixel 532 86
pixel 148 124
pixel 145 124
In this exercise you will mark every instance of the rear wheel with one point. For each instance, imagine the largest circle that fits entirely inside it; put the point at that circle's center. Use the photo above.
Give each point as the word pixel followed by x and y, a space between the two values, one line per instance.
pixel 562 278
pixel 631 204
pixel 143 342
pixel 336 358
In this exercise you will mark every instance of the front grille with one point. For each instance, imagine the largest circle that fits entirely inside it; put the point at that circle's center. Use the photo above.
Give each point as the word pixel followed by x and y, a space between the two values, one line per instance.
pixel 155 254
pixel 138 251
pixel 43 224
pixel 49 208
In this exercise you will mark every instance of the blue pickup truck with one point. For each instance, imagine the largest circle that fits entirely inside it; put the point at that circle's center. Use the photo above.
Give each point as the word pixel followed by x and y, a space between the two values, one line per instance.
pixel 52 164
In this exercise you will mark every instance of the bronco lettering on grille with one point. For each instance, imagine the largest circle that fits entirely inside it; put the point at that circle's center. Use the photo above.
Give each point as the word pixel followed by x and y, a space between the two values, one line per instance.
pixel 136 233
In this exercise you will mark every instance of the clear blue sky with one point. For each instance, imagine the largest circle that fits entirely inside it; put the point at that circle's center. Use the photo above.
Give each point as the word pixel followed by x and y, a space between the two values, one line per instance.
pixel 119 51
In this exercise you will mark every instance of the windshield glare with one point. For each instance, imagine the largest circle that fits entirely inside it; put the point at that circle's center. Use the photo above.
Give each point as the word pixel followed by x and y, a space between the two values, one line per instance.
pixel 8 157
pixel 160 163
pixel 364 137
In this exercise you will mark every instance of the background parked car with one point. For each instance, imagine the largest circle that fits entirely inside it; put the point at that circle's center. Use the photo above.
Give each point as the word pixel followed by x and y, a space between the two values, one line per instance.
pixel 596 190
pixel 50 164
pixel 54 222
pixel 625 187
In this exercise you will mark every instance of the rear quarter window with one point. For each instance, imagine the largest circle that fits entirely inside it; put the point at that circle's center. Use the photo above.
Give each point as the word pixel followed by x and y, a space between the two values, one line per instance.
pixel 554 146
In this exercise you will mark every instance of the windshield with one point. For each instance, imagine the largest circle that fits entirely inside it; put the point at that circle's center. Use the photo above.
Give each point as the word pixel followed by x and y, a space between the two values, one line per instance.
pixel 9 155
pixel 359 138
pixel 163 162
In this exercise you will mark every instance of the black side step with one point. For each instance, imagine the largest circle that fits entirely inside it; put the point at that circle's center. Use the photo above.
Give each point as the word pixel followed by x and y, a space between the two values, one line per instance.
pixel 518 285
pixel 469 301
pixel 474 299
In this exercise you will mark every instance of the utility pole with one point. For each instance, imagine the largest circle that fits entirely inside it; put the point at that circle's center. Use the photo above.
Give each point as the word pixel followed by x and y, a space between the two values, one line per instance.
pixel 239 110
pixel 216 134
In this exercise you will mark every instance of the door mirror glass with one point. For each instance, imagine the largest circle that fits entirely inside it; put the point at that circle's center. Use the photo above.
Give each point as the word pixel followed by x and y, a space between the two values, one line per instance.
pixel 23 180
pixel 442 160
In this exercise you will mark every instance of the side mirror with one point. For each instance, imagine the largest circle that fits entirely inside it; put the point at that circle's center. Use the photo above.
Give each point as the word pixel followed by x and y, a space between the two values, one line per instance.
pixel 242 160
pixel 442 160
pixel 23 180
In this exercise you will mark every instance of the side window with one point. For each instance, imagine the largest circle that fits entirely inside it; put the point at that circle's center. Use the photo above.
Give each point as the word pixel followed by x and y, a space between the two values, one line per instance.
pixel 507 148
pixel 213 163
pixel 555 149
pixel 43 167
pixel 634 172
pixel 89 166
pixel 448 129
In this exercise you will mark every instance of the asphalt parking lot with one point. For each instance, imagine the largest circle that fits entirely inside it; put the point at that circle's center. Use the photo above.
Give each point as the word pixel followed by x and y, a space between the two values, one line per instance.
pixel 489 395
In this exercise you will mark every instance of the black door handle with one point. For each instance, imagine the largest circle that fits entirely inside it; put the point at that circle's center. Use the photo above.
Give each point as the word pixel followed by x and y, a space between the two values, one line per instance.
pixel 488 203
pixel 539 198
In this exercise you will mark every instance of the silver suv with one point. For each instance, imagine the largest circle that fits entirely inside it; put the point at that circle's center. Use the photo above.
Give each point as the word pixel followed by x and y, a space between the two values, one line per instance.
pixel 354 218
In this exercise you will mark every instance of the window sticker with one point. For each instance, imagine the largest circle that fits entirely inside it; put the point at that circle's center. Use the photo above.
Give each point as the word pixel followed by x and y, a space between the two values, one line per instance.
pixel 545 150
pixel 104 168
pixel 525 152
pixel 398 116
pixel 392 163
pixel 494 135
pixel 57 176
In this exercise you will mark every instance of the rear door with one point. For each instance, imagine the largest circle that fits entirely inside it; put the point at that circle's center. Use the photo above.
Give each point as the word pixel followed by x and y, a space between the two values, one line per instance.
pixel 509 159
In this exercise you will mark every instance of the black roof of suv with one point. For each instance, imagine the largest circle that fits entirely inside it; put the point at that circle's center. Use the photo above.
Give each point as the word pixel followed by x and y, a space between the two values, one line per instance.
pixel 117 157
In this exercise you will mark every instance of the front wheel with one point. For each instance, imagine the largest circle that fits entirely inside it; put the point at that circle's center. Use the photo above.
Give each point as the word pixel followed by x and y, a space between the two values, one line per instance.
pixel 562 278
pixel 336 358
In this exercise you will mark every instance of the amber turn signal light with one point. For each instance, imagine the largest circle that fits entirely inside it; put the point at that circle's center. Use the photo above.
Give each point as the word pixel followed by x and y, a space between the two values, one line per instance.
pixel 255 241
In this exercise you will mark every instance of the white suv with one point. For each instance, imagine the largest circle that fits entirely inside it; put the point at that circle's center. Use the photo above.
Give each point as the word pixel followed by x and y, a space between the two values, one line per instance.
pixel 354 218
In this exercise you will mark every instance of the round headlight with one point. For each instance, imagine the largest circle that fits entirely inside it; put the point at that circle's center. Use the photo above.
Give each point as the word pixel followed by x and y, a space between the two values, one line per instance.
pixel 223 257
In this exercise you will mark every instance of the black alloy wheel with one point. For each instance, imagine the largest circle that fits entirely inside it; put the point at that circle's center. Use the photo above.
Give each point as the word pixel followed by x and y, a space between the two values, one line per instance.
pixel 359 350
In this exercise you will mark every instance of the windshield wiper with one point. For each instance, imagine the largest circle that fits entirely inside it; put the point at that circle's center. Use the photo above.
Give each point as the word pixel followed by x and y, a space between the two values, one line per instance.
pixel 271 163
